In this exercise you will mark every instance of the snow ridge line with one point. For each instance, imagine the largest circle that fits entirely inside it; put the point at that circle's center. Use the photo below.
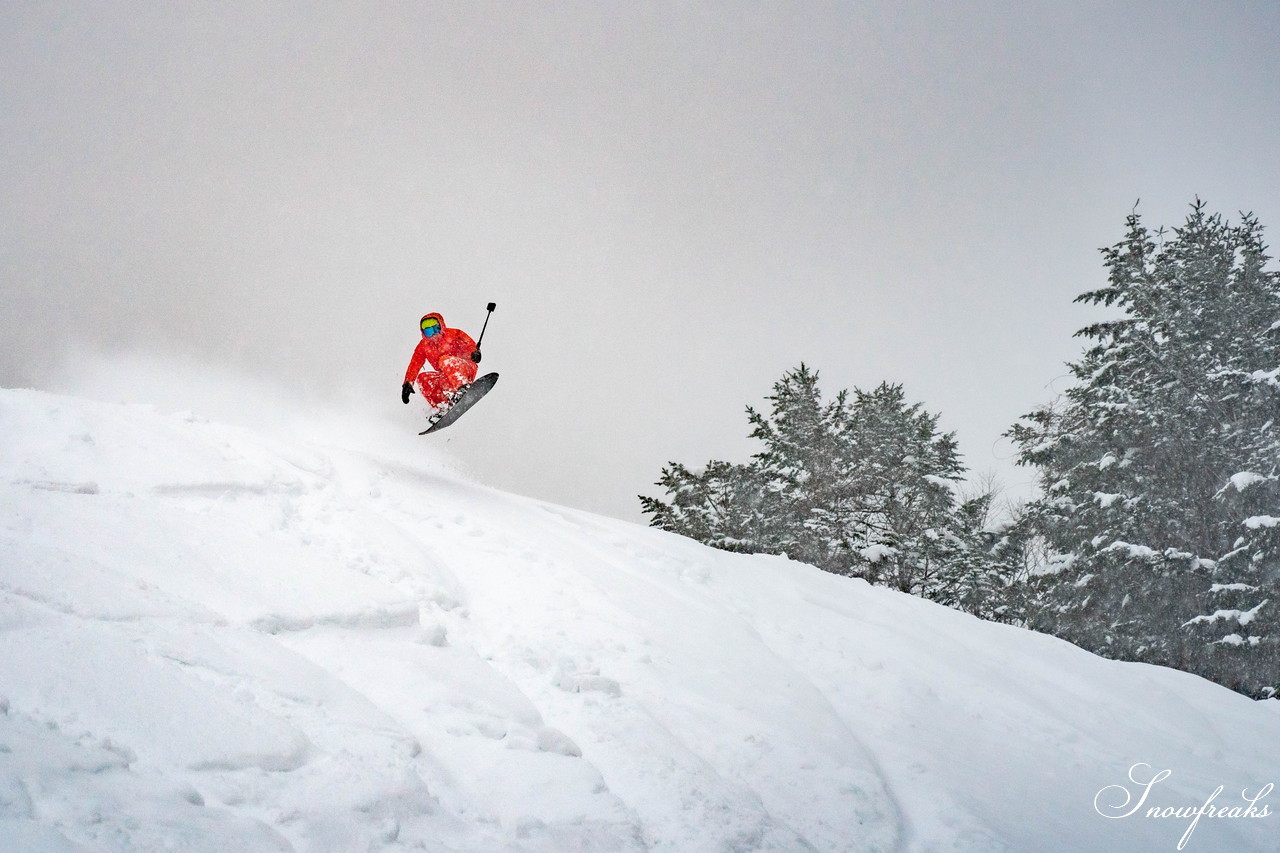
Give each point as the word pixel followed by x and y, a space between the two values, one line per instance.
pixel 85 488
pixel 380 619
pixel 221 489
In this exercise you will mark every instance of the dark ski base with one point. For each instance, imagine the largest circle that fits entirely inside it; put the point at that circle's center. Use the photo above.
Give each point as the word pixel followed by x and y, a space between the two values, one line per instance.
pixel 468 397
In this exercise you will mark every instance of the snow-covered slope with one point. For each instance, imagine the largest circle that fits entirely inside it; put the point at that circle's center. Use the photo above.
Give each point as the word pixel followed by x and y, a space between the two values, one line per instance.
pixel 212 640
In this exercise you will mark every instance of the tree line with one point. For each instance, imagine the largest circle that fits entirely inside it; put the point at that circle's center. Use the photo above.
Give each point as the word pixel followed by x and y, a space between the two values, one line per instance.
pixel 1155 536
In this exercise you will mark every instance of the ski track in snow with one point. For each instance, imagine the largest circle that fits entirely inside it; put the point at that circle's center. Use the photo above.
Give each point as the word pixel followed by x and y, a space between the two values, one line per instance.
pixel 213 640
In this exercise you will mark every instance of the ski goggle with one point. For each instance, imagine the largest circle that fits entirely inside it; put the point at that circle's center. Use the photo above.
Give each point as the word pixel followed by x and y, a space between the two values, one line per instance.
pixel 430 327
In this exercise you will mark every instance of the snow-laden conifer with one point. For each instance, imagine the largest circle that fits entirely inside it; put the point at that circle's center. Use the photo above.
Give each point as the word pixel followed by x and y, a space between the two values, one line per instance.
pixel 862 485
pixel 1159 466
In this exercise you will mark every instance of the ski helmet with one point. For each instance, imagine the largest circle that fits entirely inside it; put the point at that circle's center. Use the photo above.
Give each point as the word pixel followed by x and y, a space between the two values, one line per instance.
pixel 431 325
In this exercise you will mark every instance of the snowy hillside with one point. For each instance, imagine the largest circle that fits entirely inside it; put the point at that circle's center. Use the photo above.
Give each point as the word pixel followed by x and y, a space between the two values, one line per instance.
pixel 213 640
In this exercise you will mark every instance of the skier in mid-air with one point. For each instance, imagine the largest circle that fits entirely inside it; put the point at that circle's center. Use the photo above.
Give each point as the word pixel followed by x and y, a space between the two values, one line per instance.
pixel 453 355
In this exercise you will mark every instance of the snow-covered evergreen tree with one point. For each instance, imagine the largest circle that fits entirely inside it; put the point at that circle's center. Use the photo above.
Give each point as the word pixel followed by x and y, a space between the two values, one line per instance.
pixel 721 505
pixel 862 485
pixel 1159 467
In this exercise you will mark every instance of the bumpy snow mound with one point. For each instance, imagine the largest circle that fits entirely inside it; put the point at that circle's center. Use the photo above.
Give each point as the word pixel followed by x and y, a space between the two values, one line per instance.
pixel 211 640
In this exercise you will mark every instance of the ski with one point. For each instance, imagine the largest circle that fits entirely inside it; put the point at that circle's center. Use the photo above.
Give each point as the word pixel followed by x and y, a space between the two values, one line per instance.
pixel 467 397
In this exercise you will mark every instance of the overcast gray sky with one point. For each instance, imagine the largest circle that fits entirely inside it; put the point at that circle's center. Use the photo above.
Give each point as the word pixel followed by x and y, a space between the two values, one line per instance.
pixel 671 203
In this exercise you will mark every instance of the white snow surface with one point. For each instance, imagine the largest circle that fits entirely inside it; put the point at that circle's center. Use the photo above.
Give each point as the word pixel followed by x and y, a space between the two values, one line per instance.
pixel 213 639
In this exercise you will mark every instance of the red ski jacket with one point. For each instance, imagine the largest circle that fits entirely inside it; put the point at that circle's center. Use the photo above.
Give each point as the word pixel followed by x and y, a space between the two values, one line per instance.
pixel 431 350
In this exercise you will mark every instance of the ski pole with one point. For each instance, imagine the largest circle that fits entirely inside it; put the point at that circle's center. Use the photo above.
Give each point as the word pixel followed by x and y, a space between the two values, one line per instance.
pixel 489 309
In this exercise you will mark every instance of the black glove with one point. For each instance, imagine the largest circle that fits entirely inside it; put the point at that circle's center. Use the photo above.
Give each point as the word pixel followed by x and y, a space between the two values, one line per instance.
pixel 475 356
pixel 405 390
